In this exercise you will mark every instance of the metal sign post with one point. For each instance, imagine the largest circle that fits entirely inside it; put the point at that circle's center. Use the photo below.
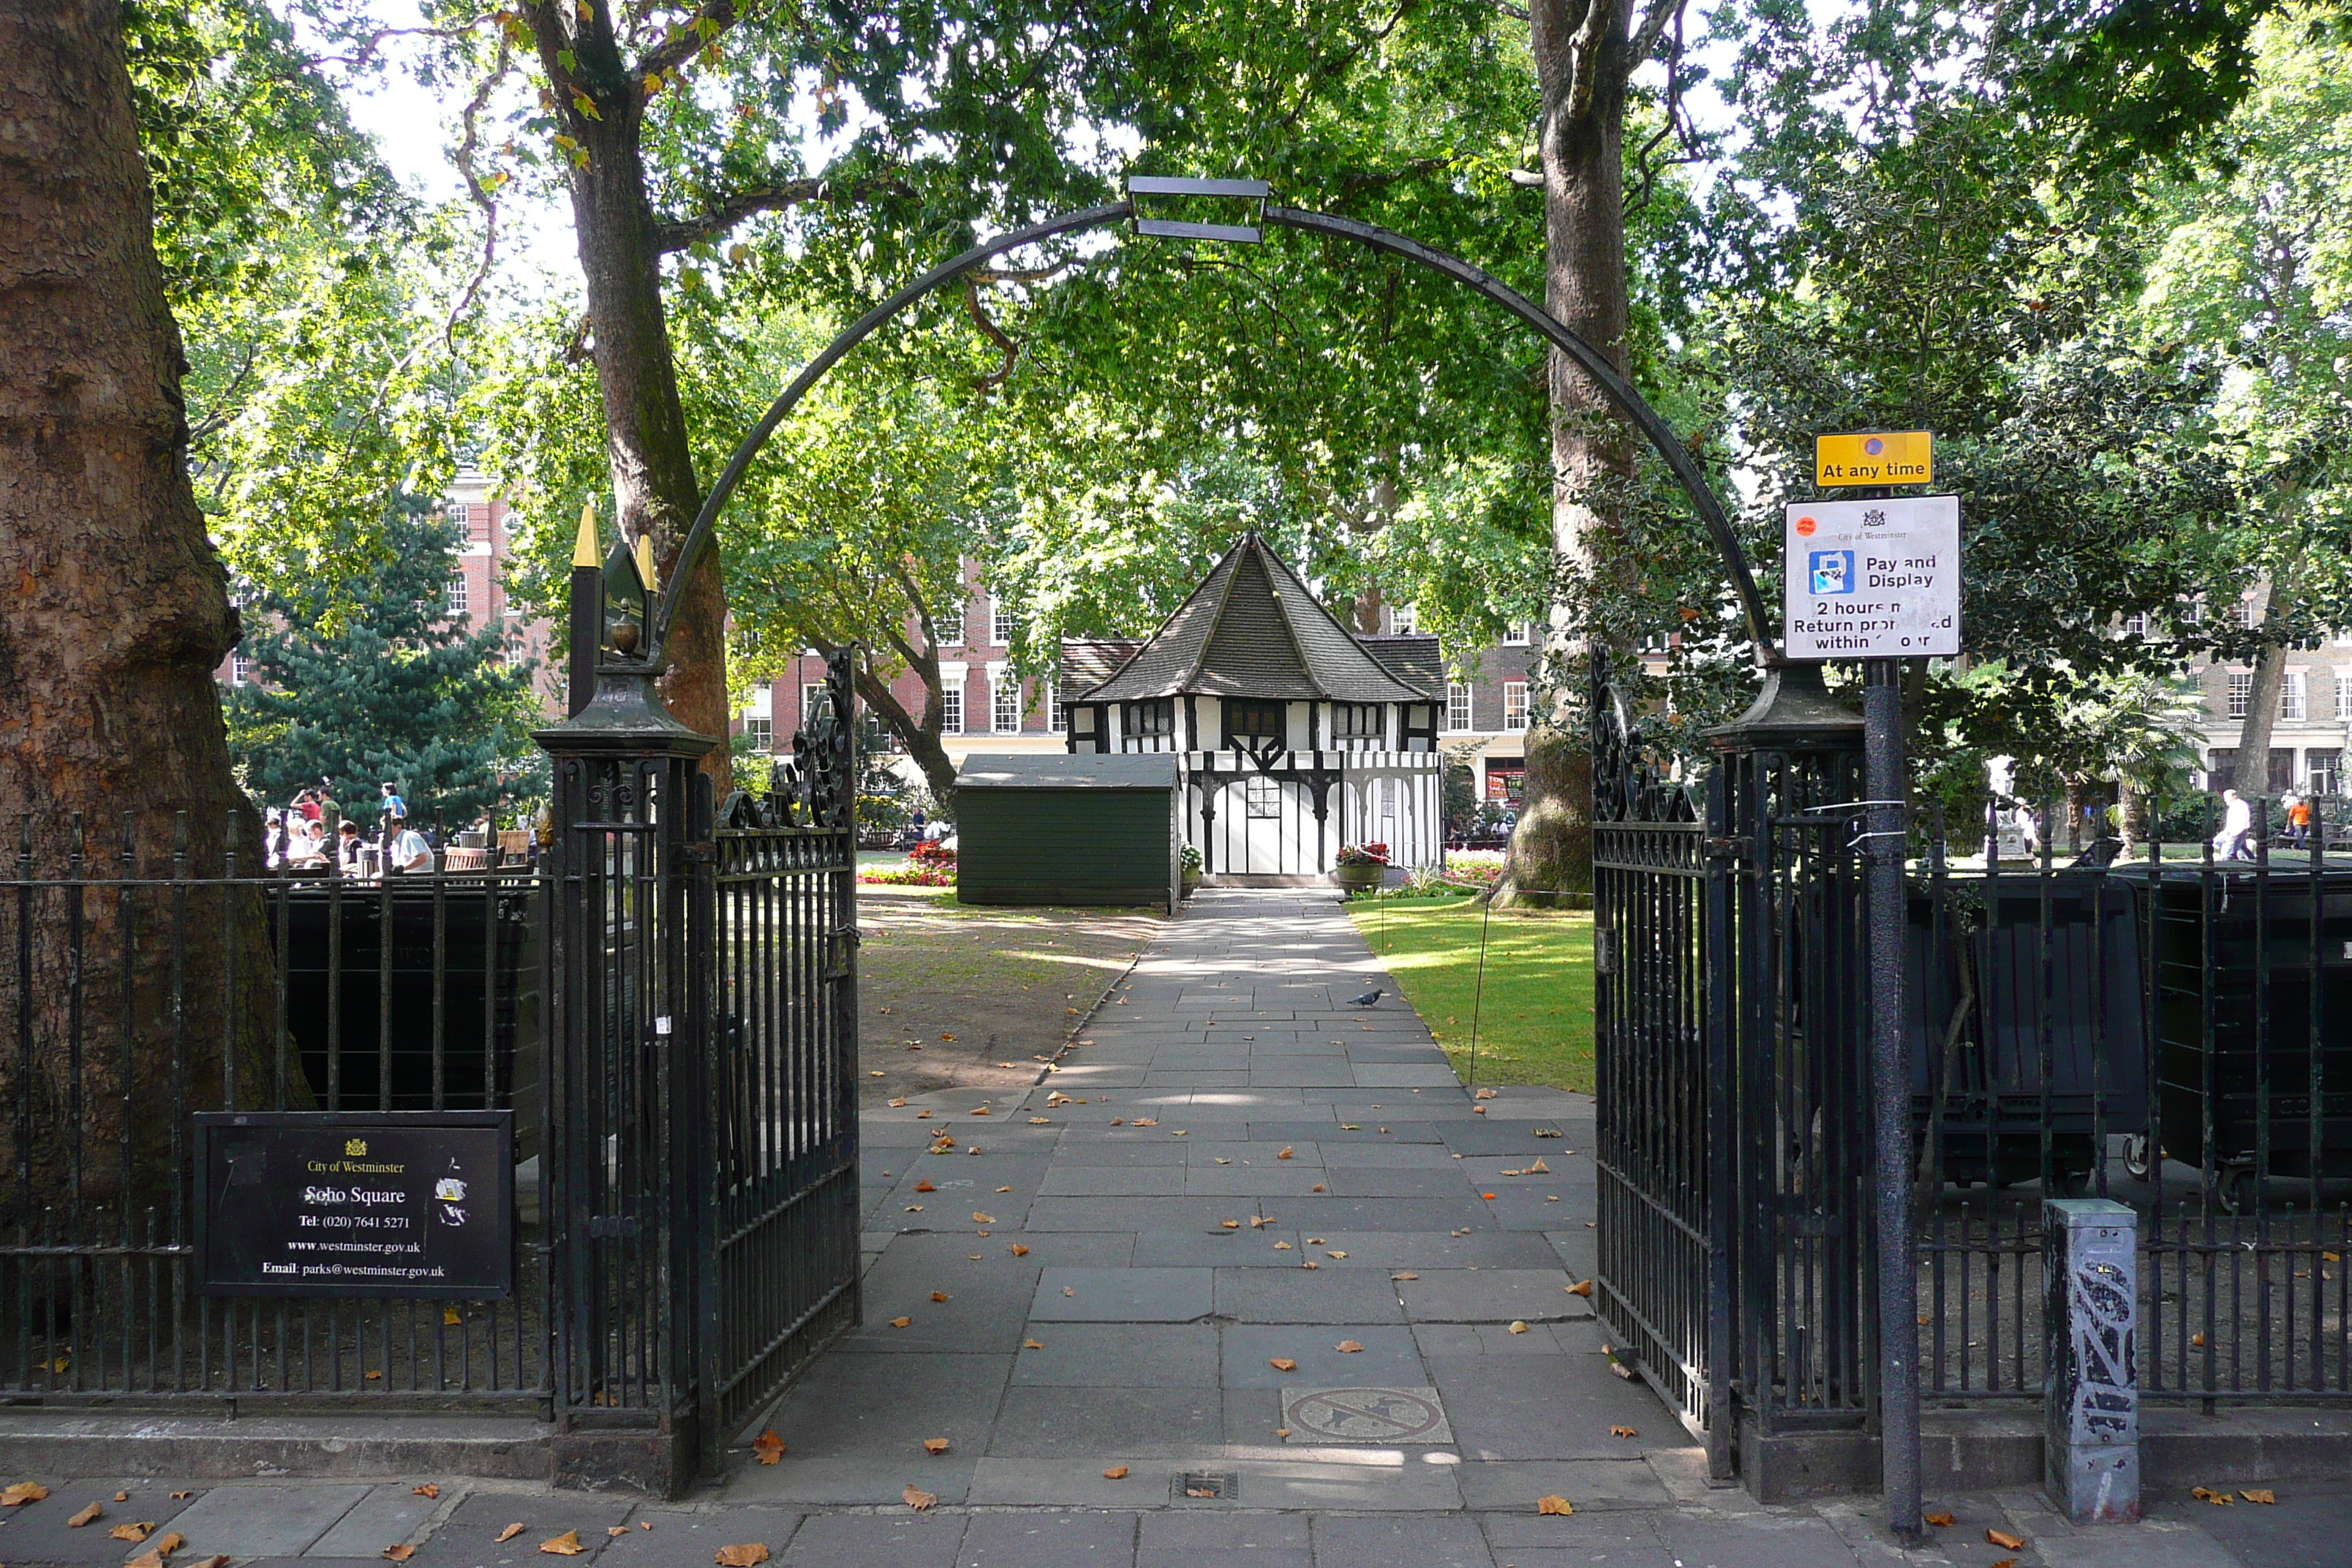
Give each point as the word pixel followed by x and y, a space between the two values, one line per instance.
pixel 1879 581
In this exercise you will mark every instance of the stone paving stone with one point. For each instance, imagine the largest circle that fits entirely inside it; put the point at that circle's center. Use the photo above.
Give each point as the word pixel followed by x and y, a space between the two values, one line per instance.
pixel 468 1537
pixel 387 1515
pixel 1253 1418
pixel 1307 1296
pixel 1303 1072
pixel 1367 1480
pixel 1328 1130
pixel 1132 1213
pixel 1490 1295
pixel 1114 1181
pixel 1121 1355
pixel 684 1539
pixel 1049 1540
pixel 1199 1078
pixel 1341 1542
pixel 1596 1484
pixel 1219 1248
pixel 2165 1538
pixel 1122 1294
pixel 2306 1528
pixel 1758 1540
pixel 37 1533
pixel 1389 1358
pixel 1374 1182
pixel 1580 1540
pixel 877 1541
pixel 1420 1251
pixel 1106 1425
pixel 1559 1407
pixel 1323 1214
pixel 285 1520
pixel 1579 1251
pixel 987 1304
pixel 1264 1178
pixel 1094 1153
pixel 1387 1156
pixel 1487 1339
pixel 1071 1483
pixel 855 1405
pixel 1253 1151
pixel 865 1480
pixel 1405 1075
pixel 1182 1540
pixel 1486 1136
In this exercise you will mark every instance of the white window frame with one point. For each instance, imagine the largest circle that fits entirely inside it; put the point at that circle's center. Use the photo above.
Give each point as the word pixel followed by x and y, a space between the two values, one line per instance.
pixel 1515 706
pixel 1461 708
pixel 1262 798
pixel 2242 693
pixel 2293 704
pixel 240 669
pixel 946 633
pixel 518 653
pixel 952 698
pixel 812 695
pixel 1002 685
pixel 1057 712
pixel 1402 621
pixel 2344 695
pixel 457 597
pixel 761 731
pixel 1001 624
pixel 1520 634
pixel 2135 626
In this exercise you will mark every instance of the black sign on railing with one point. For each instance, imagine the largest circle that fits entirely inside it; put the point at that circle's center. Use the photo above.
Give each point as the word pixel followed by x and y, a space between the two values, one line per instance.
pixel 299 1203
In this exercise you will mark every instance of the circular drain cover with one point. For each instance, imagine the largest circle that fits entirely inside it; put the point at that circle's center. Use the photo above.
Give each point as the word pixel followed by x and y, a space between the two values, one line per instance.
pixel 1367 1415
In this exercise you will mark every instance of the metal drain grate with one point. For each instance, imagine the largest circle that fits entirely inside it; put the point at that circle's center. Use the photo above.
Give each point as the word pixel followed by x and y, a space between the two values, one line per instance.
pixel 1220 1486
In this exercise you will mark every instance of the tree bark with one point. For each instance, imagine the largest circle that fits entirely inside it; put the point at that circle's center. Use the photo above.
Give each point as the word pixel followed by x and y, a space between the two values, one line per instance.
pixel 919 734
pixel 1581 56
pixel 2251 776
pixel 116 616
pixel 646 446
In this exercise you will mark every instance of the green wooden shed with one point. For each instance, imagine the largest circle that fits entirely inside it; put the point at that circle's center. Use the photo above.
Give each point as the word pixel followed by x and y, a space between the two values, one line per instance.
pixel 1062 829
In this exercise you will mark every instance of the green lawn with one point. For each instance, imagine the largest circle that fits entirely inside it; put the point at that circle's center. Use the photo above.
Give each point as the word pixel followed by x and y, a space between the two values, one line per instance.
pixel 1535 1016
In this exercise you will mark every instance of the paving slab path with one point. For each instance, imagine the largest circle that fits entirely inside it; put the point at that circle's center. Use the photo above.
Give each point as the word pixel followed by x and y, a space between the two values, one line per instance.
pixel 1251 1281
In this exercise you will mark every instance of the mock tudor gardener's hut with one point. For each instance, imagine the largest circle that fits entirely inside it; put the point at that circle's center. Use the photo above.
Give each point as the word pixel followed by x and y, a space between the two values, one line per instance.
pixel 1292 734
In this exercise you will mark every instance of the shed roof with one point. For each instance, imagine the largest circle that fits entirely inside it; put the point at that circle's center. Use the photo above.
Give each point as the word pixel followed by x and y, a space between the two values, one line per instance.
pixel 1252 628
pixel 1414 657
pixel 1056 769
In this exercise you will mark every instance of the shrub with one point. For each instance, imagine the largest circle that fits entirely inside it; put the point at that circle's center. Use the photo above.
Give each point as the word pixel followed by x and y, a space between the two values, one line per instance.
pixel 1363 855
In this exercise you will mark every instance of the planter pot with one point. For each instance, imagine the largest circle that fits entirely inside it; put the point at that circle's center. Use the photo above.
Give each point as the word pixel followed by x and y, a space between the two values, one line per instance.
pixel 1357 879
pixel 1192 883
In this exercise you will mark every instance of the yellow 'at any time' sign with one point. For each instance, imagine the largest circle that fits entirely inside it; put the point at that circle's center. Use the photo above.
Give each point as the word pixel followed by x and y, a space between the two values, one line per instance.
pixel 1875 458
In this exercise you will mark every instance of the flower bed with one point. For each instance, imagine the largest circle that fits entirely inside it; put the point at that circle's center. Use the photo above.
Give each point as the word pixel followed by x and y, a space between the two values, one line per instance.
pixel 927 865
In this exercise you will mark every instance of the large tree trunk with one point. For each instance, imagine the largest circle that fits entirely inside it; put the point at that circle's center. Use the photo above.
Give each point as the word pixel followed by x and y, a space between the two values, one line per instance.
pixel 645 442
pixel 116 615
pixel 2252 776
pixel 1580 68
pixel 920 734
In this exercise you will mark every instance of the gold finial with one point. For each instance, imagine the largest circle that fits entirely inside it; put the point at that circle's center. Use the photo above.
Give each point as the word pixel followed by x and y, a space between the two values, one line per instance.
pixel 645 561
pixel 585 552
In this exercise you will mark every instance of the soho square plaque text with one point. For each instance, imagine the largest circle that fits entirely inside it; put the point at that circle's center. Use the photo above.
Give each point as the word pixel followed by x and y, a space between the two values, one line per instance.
pixel 298 1203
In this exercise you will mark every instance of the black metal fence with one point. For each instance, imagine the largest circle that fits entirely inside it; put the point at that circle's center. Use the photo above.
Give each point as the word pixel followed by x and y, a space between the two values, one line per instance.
pixel 665 999
pixel 2168 1023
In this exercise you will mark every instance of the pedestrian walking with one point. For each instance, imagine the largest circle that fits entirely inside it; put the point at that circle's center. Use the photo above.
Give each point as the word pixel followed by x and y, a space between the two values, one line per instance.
pixel 2237 823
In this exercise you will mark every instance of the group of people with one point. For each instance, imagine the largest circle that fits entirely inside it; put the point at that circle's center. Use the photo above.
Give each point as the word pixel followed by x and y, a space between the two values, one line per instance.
pixel 2234 842
pixel 298 839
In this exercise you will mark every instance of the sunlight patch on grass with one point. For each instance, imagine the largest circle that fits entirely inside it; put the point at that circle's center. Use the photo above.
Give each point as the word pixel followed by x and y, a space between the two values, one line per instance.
pixel 1534 1011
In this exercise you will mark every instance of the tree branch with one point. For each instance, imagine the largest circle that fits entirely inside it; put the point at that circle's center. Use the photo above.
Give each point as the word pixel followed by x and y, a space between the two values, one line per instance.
pixel 686 40
pixel 1021 274
pixel 680 233
pixel 1516 13
pixel 1651 29
pixel 995 334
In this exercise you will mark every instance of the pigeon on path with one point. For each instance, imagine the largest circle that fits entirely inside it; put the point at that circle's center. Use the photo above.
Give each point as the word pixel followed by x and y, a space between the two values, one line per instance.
pixel 1368 998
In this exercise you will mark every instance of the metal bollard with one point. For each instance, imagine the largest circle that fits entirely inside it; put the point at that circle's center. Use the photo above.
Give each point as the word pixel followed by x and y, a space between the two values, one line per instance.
pixel 2089 1391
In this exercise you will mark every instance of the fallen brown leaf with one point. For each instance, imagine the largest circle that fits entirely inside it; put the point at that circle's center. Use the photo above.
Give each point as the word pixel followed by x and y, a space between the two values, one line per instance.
pixel 616 1530
pixel 1944 1520
pixel 1538 1169
pixel 1230 1224
pixel 1283 1364
pixel 925 1187
pixel 934 1446
pixel 1335 1253
pixel 564 1545
pixel 1019 1250
pixel 1199 1491
pixel 2255 1494
pixel 747 1555
pixel 132 1533
pixel 1115 1473
pixel 979 1218
pixel 171 1540
pixel 1005 1189
pixel 2004 1563
pixel 900 1322
pixel 1581 1288
pixel 1147 1122
pixel 1031 1345
pixel 1484 1094
pixel 1347 1347
pixel 510 1532
pixel 2219 1499
pixel 1624 1432
pixel 93 1513
pixel 175 1496
pixel 146 1560
pixel 1318 1187
pixel 916 1497
pixel 22 1493
pixel 122 1497
pixel 1519 1326
pixel 768 1446
pixel 1282 1247
pixel 1555 1505
pixel 978 1110
pixel 218 1561
pixel 428 1490
pixel 1286 1154
pixel 1408 1274
pixel 899 1103
pixel 2004 1540
pixel 923 1116
pixel 2197 1340
pixel 939 1295
pixel 399 1554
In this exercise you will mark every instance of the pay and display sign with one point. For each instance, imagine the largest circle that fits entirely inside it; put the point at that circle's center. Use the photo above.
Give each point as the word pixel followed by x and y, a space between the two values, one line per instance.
pixel 1872 579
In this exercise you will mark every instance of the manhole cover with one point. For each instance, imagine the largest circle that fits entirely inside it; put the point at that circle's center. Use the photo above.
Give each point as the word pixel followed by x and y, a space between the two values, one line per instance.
pixel 1222 1486
pixel 1365 1416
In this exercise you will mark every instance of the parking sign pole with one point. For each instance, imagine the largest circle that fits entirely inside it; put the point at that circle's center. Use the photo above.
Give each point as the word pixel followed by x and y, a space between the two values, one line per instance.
pixel 1886 823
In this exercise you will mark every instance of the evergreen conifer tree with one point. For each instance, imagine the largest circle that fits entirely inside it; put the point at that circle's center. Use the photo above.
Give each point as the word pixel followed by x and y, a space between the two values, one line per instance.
pixel 364 681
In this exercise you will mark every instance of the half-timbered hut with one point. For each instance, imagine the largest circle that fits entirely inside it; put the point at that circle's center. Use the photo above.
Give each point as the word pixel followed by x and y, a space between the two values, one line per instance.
pixel 1293 735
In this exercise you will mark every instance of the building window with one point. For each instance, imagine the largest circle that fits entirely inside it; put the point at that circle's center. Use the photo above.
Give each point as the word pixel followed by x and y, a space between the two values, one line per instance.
pixel 2241 692
pixel 1265 796
pixel 240 669
pixel 2135 626
pixel 1005 694
pixel 1057 712
pixel 1520 634
pixel 761 733
pixel 457 593
pixel 1247 720
pixel 812 701
pixel 2292 706
pixel 2241 613
pixel 1402 621
pixel 1515 705
pixel 1148 726
pixel 1003 625
pixel 951 708
pixel 948 632
pixel 2326 772
pixel 1458 707
pixel 518 653
pixel 2344 696
pixel 1358 726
